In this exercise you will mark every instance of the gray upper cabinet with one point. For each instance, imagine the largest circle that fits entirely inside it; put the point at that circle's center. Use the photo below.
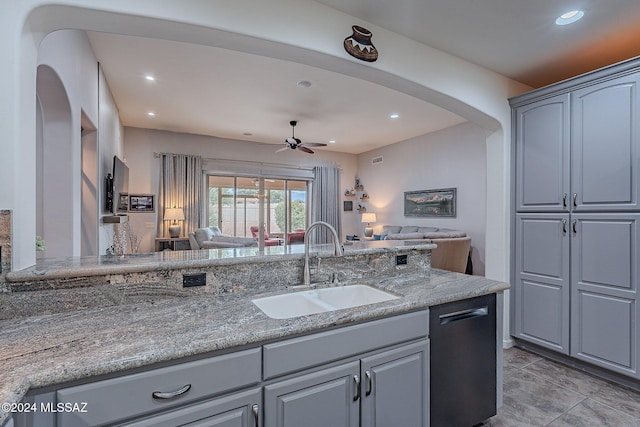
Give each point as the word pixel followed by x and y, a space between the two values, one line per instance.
pixel 542 155
pixel 605 144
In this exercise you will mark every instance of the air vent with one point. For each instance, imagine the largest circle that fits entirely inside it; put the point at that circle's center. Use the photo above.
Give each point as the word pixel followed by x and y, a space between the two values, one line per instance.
pixel 376 160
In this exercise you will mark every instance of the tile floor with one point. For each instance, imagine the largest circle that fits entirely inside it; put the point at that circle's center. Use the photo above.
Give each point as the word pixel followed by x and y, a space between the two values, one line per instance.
pixel 540 392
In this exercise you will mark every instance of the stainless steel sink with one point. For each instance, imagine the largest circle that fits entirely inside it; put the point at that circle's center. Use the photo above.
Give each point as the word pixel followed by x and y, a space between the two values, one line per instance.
pixel 315 301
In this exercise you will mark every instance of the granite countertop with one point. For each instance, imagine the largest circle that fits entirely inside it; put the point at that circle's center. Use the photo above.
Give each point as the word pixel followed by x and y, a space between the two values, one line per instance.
pixel 43 351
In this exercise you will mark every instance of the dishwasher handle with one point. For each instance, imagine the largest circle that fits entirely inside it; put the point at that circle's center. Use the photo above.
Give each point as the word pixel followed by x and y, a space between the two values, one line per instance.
pixel 464 314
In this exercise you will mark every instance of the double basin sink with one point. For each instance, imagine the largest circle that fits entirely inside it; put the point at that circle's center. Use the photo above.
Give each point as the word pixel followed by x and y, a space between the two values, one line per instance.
pixel 321 300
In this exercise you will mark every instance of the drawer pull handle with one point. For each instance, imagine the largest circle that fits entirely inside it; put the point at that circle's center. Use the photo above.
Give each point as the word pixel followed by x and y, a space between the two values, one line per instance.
pixel 564 225
pixel 356 385
pixel 369 377
pixel 464 314
pixel 171 394
pixel 575 200
pixel 564 200
pixel 256 413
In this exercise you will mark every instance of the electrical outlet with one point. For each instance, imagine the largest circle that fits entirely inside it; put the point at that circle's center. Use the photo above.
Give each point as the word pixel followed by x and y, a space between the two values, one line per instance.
pixel 190 280
pixel 401 260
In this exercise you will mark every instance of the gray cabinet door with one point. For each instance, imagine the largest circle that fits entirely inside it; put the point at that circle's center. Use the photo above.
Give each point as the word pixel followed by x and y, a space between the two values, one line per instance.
pixel 395 387
pixel 604 145
pixel 542 291
pixel 605 261
pixel 235 410
pixel 542 155
pixel 330 397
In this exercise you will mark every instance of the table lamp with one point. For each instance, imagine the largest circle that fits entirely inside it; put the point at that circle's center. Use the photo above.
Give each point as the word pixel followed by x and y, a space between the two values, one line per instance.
pixel 368 217
pixel 175 215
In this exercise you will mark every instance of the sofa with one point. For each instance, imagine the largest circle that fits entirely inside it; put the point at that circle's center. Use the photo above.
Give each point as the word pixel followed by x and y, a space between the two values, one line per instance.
pixel 212 238
pixel 410 232
pixel 453 251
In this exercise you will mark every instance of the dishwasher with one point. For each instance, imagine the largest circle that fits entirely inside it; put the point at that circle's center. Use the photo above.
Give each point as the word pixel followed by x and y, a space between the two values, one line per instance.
pixel 463 362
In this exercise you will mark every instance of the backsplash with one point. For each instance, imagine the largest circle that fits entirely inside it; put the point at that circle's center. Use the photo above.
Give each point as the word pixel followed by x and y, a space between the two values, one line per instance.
pixel 230 277
pixel 5 243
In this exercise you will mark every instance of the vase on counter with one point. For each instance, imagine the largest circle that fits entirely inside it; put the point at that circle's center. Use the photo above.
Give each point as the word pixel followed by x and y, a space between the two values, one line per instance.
pixel 359 44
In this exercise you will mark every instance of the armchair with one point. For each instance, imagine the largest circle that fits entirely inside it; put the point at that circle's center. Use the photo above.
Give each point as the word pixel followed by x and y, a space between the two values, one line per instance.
pixel 268 240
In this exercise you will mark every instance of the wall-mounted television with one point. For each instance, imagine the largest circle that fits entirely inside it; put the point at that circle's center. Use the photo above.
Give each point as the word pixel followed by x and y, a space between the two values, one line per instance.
pixel 118 188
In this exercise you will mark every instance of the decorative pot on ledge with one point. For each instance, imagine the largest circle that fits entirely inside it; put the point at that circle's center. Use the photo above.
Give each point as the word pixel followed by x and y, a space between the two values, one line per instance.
pixel 359 44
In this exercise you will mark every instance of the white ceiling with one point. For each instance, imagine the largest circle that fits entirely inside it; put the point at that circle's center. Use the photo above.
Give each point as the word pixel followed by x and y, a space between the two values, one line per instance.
pixel 213 91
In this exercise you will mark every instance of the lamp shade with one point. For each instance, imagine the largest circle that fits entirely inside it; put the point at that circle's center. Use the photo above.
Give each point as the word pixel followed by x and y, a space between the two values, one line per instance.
pixel 368 217
pixel 174 214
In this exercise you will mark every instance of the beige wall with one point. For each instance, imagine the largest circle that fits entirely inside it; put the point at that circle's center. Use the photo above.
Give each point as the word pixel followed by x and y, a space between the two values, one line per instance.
pixel 453 157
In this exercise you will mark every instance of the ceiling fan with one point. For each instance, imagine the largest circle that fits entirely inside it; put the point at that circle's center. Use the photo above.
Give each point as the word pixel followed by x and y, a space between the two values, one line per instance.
pixel 295 143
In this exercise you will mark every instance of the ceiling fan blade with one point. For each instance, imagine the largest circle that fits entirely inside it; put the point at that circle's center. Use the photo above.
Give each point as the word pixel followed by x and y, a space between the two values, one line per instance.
pixel 286 147
pixel 305 149
pixel 314 144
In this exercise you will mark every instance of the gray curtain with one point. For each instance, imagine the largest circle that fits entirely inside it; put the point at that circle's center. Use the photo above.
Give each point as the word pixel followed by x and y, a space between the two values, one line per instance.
pixel 180 187
pixel 325 201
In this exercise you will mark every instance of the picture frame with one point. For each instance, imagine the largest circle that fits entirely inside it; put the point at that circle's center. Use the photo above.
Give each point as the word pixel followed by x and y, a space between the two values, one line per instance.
pixel 439 202
pixel 348 206
pixel 123 202
pixel 142 203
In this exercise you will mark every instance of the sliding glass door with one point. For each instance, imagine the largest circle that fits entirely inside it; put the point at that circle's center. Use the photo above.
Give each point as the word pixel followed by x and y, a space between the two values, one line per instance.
pixel 235 205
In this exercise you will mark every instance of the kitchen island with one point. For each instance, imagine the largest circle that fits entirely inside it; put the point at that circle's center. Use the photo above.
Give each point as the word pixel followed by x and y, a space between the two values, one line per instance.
pixel 41 353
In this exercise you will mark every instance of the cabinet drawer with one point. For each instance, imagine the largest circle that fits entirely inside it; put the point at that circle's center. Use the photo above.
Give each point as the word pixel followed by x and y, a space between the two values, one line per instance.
pixel 120 398
pixel 305 352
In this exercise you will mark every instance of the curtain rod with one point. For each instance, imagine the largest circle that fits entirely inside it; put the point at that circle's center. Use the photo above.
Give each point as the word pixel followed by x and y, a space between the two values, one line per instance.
pixel 158 155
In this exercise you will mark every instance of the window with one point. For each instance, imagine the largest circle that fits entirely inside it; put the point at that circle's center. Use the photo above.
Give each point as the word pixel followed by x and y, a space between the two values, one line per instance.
pixel 234 205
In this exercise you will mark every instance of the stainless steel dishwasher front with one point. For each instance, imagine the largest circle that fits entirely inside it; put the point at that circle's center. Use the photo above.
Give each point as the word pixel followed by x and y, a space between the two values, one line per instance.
pixel 463 362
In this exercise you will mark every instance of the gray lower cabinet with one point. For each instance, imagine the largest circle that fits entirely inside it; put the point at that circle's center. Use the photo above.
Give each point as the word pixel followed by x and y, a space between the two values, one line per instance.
pixel 235 410
pixel 576 286
pixel 134 397
pixel 604 313
pixel 542 288
pixel 328 397
pixel 394 387
pixel 387 389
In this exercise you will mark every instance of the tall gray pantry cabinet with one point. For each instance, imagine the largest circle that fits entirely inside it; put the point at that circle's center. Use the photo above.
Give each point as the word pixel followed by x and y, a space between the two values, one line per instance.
pixel 575 219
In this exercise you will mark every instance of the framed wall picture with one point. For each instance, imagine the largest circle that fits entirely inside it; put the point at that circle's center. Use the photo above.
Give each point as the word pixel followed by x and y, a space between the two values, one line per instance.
pixel 123 202
pixel 347 206
pixel 141 203
pixel 439 202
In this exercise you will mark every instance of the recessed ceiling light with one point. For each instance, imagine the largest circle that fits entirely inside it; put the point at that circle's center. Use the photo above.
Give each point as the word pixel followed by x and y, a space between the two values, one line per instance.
pixel 150 77
pixel 569 17
pixel 304 83
pixel 247 134
pixel 151 114
pixel 332 141
pixel 394 116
